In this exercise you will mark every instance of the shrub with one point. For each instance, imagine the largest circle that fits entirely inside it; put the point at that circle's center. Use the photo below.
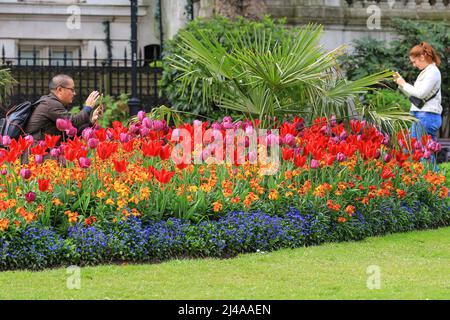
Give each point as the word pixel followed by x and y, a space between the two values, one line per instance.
pixel 224 30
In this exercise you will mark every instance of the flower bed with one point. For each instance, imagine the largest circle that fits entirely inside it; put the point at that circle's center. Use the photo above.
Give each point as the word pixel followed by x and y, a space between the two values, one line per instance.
pixel 130 193
pixel 38 247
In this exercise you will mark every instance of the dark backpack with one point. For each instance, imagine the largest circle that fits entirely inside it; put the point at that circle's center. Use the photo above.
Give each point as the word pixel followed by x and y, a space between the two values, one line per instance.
pixel 14 123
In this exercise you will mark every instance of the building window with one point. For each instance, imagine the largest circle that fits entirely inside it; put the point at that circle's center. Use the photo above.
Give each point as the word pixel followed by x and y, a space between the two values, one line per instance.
pixel 48 55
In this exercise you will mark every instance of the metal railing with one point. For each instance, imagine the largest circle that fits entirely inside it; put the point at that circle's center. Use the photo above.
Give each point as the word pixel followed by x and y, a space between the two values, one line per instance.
pixel 109 76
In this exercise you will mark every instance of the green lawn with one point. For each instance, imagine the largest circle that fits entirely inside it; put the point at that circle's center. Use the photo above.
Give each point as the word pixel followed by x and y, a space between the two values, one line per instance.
pixel 414 265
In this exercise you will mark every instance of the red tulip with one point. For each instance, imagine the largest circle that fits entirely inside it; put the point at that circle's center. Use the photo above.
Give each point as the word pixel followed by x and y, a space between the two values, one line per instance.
pixel 50 141
pixel 120 166
pixel 287 153
pixel 163 176
pixel 39 150
pixel 164 152
pixel 300 160
pixel 43 184
pixel 128 146
pixel 151 149
pixel 106 149
pixel 70 154
pixel 387 173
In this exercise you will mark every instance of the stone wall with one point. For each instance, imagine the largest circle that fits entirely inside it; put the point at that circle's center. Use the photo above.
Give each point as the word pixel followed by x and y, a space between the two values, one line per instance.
pixel 346 21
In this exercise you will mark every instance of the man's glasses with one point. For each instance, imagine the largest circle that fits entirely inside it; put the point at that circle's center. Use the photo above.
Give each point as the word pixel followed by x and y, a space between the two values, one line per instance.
pixel 71 89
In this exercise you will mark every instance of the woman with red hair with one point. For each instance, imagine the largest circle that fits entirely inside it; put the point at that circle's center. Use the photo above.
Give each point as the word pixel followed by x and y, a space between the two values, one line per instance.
pixel 425 94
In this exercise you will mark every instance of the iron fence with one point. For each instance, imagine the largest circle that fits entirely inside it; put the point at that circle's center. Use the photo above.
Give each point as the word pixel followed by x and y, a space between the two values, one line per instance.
pixel 108 76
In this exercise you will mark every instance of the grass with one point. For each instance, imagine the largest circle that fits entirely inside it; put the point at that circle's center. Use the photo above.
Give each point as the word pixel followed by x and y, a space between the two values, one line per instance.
pixel 413 265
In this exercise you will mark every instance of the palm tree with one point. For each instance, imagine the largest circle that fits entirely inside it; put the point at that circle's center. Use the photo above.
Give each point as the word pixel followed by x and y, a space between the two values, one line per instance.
pixel 264 77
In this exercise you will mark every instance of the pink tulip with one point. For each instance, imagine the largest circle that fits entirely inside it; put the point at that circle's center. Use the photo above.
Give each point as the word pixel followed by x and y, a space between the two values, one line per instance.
pixel 29 138
pixel 144 131
pixel 228 125
pixel 30 196
pixel 340 157
pixel 124 137
pixel 333 120
pixel 134 128
pixel 6 140
pixel 25 173
pixel 272 139
pixel 314 164
pixel 289 139
pixel 55 152
pixel 141 115
pixel 4 172
pixel 249 130
pixel 92 143
pixel 63 124
pixel 38 159
pixel 252 156
pixel 87 133
pixel 238 125
pixel 147 123
pixel 216 126
pixel 386 140
pixel 227 119
pixel 387 158
pixel 71 132
pixel 343 135
pixel 84 162
pixel 434 146
pixel 158 125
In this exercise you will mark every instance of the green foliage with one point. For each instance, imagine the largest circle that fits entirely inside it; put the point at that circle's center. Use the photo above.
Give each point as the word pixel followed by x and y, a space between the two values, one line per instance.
pixel 264 75
pixel 383 106
pixel 6 84
pixel 387 97
pixel 224 31
pixel 114 110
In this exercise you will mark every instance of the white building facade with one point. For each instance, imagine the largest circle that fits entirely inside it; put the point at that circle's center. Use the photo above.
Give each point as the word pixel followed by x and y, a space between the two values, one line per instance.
pixel 87 25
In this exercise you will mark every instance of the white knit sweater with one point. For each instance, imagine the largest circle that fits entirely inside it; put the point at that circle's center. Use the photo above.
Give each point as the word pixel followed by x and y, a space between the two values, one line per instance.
pixel 427 83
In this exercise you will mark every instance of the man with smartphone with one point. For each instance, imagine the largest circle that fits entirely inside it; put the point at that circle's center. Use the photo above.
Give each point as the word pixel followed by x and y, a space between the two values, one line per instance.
pixel 55 106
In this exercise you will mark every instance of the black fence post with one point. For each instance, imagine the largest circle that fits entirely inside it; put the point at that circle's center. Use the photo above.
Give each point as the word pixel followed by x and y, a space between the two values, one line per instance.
pixel 95 70
pixel 134 103
pixel 80 78
pixel 34 73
